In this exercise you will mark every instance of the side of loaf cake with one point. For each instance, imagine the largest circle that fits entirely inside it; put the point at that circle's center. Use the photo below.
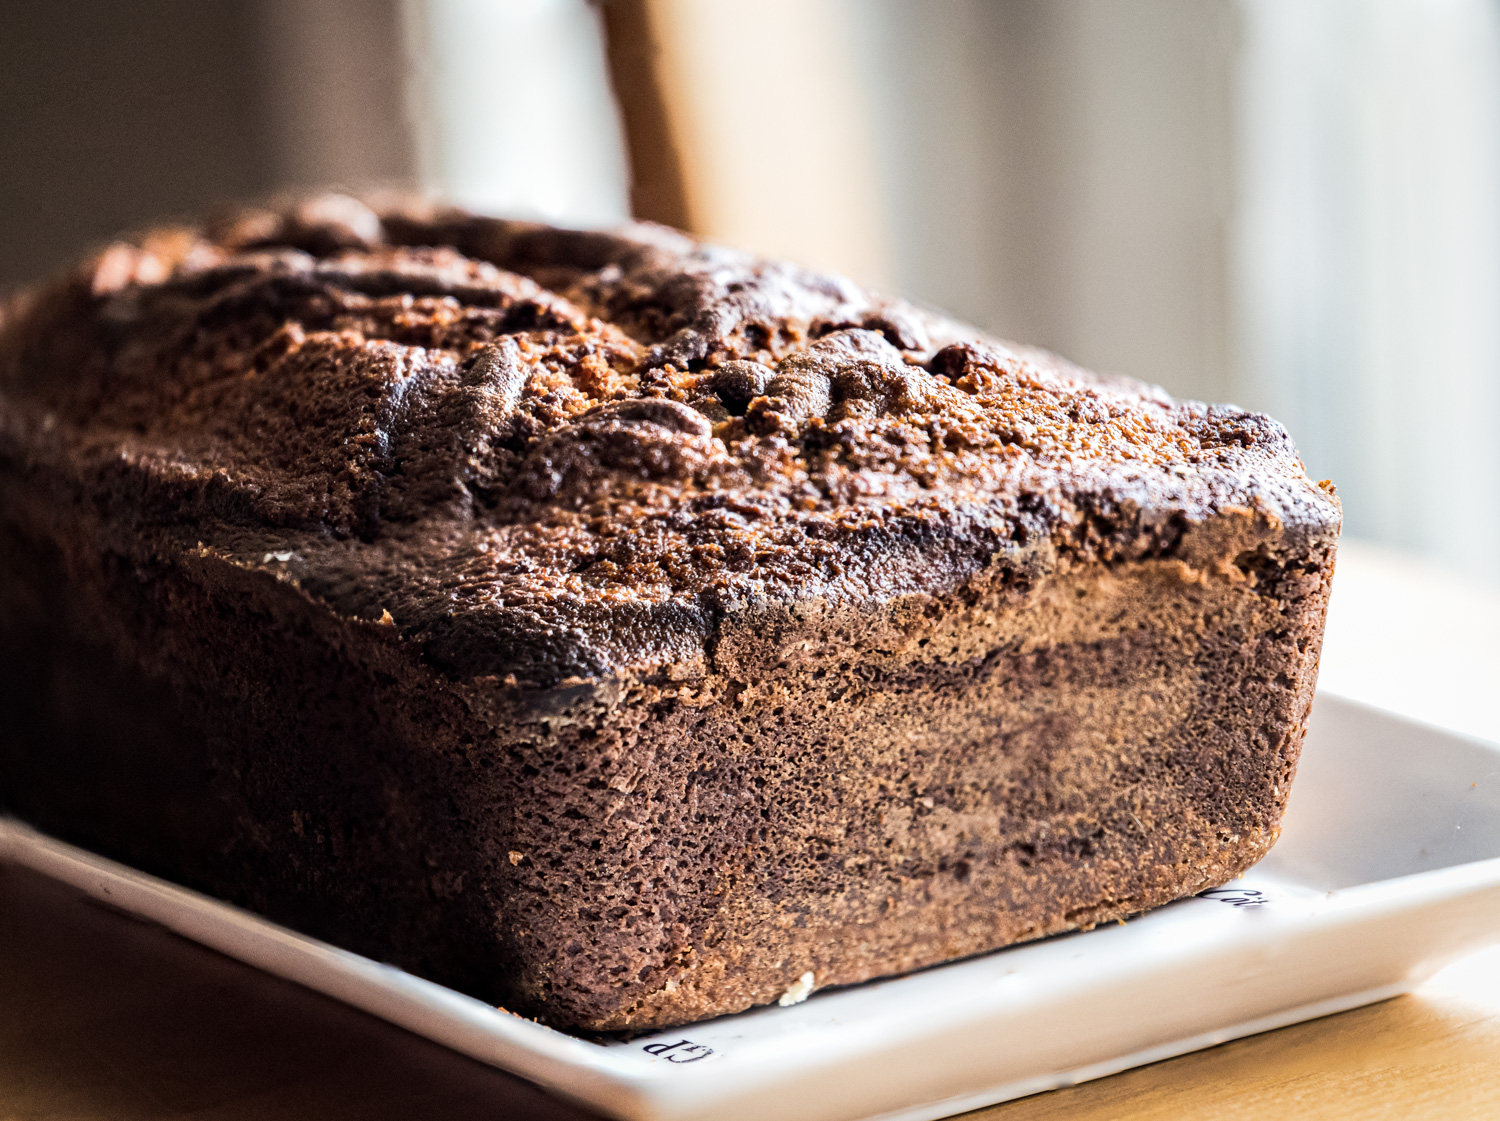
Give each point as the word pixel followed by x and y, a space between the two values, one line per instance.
pixel 616 627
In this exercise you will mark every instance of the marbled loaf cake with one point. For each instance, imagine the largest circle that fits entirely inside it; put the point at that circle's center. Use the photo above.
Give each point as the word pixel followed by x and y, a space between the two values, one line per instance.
pixel 616 627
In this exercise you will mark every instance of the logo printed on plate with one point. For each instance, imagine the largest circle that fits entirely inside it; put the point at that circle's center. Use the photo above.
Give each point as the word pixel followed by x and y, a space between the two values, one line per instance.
pixel 1236 896
pixel 684 1051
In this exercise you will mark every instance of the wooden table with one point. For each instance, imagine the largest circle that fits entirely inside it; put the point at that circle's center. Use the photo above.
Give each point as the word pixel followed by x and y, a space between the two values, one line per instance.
pixel 104 1017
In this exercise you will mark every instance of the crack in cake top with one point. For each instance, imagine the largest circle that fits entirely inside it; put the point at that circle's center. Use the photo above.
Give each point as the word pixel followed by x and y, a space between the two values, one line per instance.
pixel 447 416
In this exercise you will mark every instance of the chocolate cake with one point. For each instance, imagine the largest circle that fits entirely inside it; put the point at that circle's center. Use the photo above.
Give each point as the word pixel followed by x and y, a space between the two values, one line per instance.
pixel 619 628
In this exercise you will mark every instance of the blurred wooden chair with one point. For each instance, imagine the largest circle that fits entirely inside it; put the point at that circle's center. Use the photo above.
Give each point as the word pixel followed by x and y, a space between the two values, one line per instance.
pixel 746 122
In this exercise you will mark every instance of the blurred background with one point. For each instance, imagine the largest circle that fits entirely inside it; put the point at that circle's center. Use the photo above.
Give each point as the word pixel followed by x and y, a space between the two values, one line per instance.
pixel 1289 204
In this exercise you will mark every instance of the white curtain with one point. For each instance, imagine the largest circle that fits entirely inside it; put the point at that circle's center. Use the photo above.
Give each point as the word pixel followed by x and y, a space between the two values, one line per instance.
pixel 513 108
pixel 1367 257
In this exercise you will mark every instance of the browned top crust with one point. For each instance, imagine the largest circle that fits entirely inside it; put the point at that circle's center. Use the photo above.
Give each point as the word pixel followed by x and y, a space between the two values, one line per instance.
pixel 554 453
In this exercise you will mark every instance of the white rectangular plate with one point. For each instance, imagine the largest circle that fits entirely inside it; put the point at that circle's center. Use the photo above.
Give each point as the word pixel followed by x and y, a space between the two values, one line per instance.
pixel 1389 866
